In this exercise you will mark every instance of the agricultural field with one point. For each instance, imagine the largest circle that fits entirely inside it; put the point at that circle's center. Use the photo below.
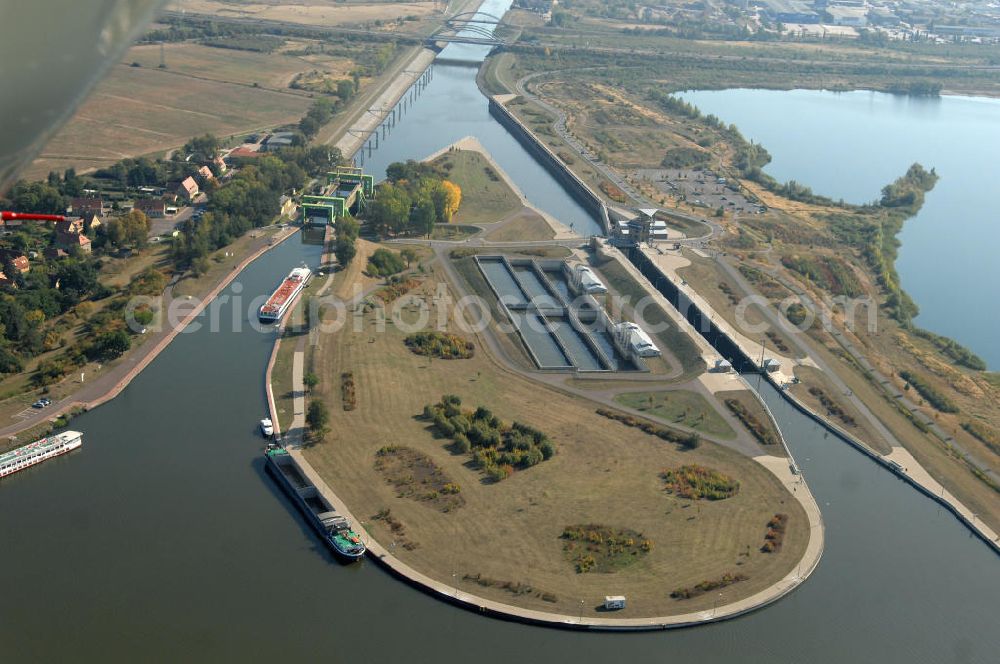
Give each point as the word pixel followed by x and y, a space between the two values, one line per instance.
pixel 142 110
pixel 311 12
pixel 507 541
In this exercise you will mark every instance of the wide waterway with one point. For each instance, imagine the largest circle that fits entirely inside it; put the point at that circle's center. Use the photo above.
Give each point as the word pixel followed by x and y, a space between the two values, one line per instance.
pixel 850 144
pixel 163 539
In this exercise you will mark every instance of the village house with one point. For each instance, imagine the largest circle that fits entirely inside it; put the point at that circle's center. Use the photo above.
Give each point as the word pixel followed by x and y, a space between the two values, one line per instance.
pixel 70 240
pixel 154 208
pixel 220 163
pixel 188 189
pixel 21 264
pixel 206 173
pixel 86 206
pixel 69 227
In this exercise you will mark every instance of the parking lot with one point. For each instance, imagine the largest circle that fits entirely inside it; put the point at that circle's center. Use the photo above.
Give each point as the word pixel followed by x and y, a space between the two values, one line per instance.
pixel 702 188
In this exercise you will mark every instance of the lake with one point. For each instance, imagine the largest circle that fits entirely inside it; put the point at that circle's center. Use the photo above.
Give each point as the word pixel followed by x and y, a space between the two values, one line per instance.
pixel 850 144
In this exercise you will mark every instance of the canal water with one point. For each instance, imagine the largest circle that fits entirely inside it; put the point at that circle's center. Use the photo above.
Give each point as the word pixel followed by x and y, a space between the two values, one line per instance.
pixel 164 540
pixel 850 144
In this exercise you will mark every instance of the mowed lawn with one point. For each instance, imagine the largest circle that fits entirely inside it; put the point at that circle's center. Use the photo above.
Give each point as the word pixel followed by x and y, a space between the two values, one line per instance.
pixel 603 473
pixel 138 110
pixel 680 407
pixel 485 196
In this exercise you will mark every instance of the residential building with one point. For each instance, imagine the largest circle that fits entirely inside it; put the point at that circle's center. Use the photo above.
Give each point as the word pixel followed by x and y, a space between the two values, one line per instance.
pixel 206 173
pixel 154 208
pixel 69 240
pixel 86 206
pixel 22 265
pixel 69 227
pixel 188 189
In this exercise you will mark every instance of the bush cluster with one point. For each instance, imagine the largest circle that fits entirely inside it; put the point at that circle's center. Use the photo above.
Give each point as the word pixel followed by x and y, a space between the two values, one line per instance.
pixel 385 263
pixel 688 441
pixel 831 407
pixel 775 536
pixel 727 579
pixel 348 393
pixel 497 449
pixel 696 482
pixel 928 392
pixel 592 547
pixel 441 345
pixel 761 432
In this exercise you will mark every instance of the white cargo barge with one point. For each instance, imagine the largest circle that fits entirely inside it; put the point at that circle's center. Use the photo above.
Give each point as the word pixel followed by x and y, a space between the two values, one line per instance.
pixel 35 453
pixel 282 298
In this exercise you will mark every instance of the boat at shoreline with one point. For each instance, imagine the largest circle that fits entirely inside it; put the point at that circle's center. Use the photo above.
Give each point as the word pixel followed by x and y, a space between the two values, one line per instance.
pixel 285 294
pixel 35 453
pixel 334 529
pixel 267 427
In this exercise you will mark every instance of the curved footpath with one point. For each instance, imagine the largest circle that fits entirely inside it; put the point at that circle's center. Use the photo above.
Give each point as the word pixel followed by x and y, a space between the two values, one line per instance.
pixel 110 385
pixel 779 466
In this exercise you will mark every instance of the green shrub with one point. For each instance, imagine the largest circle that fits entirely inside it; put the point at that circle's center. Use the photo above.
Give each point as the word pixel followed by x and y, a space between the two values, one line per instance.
pixel 385 263
pixel 928 392
pixel 497 449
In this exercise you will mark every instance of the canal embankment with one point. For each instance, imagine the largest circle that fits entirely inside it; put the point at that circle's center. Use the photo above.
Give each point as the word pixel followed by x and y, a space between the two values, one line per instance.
pixel 383 109
pixel 732 346
pixel 110 385
pixel 576 187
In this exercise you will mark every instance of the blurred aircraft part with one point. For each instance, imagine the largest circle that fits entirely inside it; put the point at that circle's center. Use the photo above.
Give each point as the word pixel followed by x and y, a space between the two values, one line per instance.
pixel 52 52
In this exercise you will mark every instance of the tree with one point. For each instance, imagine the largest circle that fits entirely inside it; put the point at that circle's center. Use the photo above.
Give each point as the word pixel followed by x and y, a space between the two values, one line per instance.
pixel 128 231
pixel 447 197
pixel 317 417
pixel 345 250
pixel 348 227
pixel 390 211
pixel 345 89
pixel 409 254
pixel 110 345
pixel 202 148
pixel 423 216
pixel 310 380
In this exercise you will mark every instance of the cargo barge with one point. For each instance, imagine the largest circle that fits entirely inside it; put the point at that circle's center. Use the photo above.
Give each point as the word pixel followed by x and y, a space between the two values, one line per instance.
pixel 334 529
pixel 282 298
pixel 35 453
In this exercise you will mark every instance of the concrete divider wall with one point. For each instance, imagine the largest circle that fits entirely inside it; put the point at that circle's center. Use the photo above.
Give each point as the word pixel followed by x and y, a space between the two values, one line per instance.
pixel 718 338
pixel 576 187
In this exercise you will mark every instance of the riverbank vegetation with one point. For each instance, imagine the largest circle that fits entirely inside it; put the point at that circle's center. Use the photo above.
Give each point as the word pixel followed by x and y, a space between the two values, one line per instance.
pixel 486 196
pixel 764 433
pixel 927 391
